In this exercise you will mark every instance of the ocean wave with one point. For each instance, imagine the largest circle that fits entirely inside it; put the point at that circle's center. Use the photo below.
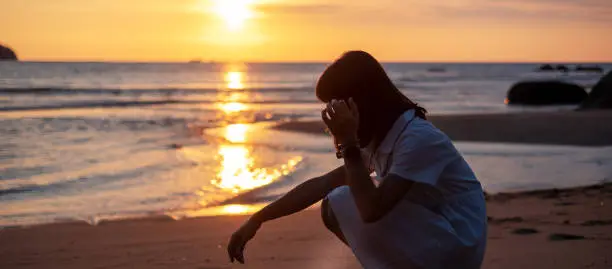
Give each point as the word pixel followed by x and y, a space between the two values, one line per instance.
pixel 82 182
pixel 74 105
pixel 114 104
pixel 145 91
pixel 450 76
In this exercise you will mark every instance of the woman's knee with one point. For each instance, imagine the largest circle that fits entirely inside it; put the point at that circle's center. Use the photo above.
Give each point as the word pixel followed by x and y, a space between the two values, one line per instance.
pixel 330 221
pixel 325 215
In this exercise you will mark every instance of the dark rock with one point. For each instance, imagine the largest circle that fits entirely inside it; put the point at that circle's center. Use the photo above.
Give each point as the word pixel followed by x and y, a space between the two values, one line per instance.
pixel 175 146
pixel 564 203
pixel 545 93
pixel 563 237
pixel 545 67
pixel 597 222
pixel 562 68
pixel 601 94
pixel 586 68
pixel 7 54
pixel 551 194
pixel 550 68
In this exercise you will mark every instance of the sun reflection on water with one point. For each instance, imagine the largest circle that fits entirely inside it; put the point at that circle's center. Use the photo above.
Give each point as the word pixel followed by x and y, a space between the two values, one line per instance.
pixel 238 168
pixel 234 80
pixel 232 107
pixel 238 164
pixel 235 209
pixel 236 133
pixel 232 102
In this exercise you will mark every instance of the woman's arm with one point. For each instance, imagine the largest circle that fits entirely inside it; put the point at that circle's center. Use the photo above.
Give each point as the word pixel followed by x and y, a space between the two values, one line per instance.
pixel 301 197
pixel 371 201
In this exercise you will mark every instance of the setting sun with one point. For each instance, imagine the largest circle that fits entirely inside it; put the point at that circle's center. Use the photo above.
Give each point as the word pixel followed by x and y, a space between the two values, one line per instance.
pixel 234 12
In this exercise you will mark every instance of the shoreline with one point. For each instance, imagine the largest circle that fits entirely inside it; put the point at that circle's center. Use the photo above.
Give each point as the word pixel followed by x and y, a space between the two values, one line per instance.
pixel 575 128
pixel 565 228
pixel 499 196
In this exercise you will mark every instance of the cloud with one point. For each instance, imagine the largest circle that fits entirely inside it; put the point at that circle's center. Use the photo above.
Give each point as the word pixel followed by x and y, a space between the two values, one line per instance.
pixel 538 11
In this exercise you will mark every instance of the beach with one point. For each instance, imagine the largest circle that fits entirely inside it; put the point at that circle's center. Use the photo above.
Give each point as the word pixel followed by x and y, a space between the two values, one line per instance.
pixel 546 229
pixel 154 165
pixel 555 228
pixel 142 134
pixel 580 128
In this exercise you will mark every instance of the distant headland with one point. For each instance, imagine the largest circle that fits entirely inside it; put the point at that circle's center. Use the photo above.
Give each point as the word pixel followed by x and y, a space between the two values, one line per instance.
pixel 7 54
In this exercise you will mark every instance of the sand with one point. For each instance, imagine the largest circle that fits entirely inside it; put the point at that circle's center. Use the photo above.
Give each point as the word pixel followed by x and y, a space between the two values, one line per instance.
pixel 584 128
pixel 521 235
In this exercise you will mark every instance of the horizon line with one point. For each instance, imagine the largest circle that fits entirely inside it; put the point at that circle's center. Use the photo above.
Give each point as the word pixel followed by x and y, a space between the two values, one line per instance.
pixel 305 62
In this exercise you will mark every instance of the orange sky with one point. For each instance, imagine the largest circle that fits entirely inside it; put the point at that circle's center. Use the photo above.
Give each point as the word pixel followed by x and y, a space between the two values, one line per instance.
pixel 309 30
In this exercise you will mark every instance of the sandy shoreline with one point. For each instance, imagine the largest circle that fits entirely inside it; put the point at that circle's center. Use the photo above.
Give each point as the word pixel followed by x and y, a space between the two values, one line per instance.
pixel 526 231
pixel 542 229
pixel 584 128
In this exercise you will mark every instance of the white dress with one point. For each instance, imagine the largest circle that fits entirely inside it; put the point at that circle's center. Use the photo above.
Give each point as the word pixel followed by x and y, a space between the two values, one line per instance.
pixel 441 222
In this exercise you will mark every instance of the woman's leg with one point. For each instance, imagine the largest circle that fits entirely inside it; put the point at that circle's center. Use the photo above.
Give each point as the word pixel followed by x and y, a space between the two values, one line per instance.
pixel 330 221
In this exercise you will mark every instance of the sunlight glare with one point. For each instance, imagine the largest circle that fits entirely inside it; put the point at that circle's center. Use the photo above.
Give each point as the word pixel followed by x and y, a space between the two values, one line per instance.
pixel 232 107
pixel 234 12
pixel 236 133
pixel 238 170
pixel 235 209
pixel 234 80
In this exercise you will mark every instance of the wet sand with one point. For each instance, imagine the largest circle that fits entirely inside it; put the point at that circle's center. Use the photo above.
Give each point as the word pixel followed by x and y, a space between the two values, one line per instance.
pixel 544 229
pixel 583 128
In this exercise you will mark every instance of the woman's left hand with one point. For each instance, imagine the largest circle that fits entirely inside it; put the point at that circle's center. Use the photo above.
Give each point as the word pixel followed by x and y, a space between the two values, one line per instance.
pixel 342 119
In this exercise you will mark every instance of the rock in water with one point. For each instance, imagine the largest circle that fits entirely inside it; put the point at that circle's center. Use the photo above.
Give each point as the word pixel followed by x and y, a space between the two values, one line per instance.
pixel 562 68
pixel 7 54
pixel 601 94
pixel 545 67
pixel 549 68
pixel 594 68
pixel 545 93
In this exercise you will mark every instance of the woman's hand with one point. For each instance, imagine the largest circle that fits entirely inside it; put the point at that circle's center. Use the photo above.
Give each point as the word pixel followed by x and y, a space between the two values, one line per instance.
pixel 342 119
pixel 238 241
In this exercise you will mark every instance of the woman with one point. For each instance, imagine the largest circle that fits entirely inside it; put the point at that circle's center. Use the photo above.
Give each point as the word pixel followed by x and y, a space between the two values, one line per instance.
pixel 424 209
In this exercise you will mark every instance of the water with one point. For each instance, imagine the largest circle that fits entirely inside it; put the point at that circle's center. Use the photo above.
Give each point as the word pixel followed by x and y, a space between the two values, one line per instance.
pixel 96 141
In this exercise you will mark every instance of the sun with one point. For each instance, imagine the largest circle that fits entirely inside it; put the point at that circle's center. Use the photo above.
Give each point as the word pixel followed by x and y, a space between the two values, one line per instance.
pixel 234 12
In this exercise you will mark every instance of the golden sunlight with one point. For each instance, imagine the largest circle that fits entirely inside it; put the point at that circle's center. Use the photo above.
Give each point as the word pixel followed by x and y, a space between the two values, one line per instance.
pixel 232 107
pixel 238 169
pixel 234 12
pixel 235 209
pixel 236 133
pixel 234 80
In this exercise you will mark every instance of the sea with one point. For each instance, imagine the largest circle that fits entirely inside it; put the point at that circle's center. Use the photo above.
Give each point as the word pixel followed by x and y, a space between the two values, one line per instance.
pixel 100 141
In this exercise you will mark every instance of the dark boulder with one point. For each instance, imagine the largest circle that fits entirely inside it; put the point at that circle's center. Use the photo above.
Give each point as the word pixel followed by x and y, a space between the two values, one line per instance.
pixel 601 94
pixel 562 68
pixel 549 68
pixel 545 93
pixel 586 68
pixel 545 67
pixel 7 54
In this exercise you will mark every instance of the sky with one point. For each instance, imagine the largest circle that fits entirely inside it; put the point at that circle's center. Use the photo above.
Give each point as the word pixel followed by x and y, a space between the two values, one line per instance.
pixel 308 30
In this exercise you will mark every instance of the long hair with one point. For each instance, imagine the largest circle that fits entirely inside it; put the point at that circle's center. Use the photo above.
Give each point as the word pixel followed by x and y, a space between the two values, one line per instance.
pixel 358 75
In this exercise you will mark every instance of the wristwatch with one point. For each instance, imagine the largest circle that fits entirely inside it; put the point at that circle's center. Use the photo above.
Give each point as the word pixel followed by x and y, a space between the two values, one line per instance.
pixel 343 149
